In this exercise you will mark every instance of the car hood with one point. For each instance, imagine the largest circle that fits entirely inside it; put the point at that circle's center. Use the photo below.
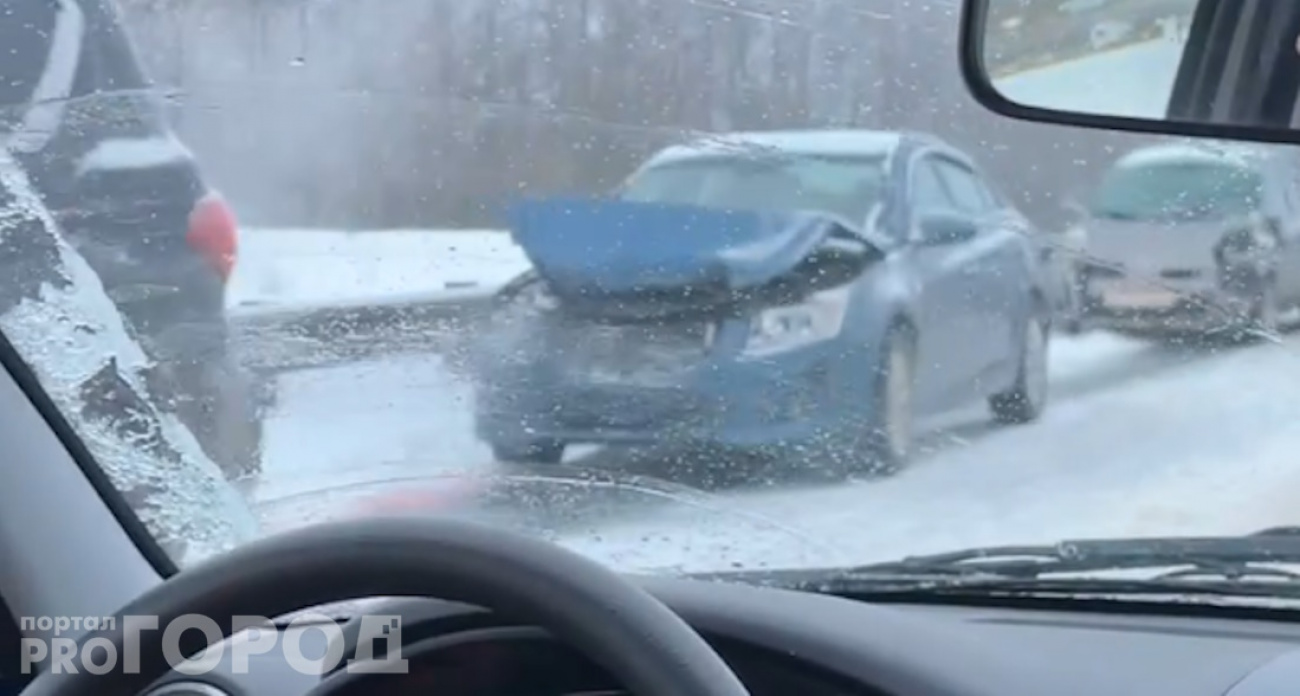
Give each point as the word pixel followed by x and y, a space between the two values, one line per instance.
pixel 599 247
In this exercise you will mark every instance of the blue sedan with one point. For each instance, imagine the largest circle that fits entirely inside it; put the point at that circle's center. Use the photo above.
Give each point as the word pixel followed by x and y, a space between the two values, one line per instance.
pixel 807 294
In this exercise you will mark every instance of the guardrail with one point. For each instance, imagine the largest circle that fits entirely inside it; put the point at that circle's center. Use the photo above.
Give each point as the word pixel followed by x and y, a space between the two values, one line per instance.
pixel 272 343
pixel 368 318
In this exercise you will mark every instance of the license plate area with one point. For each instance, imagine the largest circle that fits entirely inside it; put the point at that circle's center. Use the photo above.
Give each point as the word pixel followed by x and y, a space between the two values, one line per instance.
pixel 1125 293
pixel 644 356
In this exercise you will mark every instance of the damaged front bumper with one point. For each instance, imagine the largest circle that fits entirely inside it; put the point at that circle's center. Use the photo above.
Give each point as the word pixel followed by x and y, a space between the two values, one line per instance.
pixel 658 324
pixel 723 399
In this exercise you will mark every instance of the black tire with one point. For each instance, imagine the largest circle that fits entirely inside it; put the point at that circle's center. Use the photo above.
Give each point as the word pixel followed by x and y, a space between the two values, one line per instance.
pixel 1026 400
pixel 1263 317
pixel 536 452
pixel 883 446
pixel 1072 324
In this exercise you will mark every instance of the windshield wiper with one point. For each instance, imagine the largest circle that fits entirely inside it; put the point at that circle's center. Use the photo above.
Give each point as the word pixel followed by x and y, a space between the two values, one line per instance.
pixel 1242 565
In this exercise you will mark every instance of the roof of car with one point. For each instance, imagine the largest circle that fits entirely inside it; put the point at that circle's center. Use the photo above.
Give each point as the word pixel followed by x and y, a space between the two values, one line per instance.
pixel 802 142
pixel 1199 152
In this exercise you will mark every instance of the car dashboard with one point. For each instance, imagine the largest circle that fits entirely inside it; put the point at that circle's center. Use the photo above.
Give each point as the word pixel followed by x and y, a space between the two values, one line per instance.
pixel 781 642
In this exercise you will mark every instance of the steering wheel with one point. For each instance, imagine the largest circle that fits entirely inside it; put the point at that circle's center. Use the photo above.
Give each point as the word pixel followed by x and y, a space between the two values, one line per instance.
pixel 642 643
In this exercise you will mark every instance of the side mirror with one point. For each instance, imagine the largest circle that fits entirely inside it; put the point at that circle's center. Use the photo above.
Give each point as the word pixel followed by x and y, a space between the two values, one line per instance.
pixel 938 229
pixel 1155 66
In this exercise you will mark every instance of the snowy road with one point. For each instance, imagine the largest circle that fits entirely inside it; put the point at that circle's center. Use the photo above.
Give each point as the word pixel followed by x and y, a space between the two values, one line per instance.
pixel 1141 439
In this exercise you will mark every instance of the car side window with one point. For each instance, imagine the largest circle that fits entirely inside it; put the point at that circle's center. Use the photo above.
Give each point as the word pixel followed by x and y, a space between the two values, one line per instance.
pixel 969 194
pixel 929 192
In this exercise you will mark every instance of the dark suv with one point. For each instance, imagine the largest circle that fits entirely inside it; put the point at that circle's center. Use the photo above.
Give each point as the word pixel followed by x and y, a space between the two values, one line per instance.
pixel 80 115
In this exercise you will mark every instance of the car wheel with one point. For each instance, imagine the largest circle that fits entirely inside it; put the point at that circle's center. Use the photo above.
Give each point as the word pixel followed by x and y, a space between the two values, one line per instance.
pixel 1263 317
pixel 536 452
pixel 885 446
pixel 1027 398
pixel 1072 322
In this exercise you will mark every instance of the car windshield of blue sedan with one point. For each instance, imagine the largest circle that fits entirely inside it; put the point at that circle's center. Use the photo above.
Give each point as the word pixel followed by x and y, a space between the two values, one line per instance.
pixel 680 285
pixel 846 186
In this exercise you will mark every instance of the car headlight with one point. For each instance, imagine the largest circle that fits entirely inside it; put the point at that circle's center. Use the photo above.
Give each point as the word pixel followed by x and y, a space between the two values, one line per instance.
pixel 816 318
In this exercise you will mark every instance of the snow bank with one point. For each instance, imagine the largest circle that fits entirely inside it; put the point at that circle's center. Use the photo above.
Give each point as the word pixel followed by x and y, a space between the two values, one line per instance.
pixel 298 269
pixel 1075 85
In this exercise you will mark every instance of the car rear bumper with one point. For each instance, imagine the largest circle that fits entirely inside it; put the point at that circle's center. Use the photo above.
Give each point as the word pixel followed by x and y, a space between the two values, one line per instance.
pixel 1204 312
pixel 1195 300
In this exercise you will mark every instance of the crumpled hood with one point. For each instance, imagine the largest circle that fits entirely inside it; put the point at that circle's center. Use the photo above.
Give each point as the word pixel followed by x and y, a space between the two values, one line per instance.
pixel 592 247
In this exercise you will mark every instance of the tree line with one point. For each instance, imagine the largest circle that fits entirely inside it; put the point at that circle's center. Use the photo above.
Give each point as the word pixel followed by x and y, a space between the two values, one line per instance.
pixel 421 113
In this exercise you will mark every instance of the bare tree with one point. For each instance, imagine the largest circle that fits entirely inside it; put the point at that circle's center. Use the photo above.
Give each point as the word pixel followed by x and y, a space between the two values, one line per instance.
pixel 448 109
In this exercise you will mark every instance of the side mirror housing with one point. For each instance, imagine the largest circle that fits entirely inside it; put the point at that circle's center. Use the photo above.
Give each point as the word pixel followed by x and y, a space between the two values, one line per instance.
pixel 939 229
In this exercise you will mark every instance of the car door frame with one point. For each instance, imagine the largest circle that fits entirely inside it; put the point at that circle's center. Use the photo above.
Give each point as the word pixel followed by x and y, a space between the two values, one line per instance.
pixel 993 265
pixel 945 368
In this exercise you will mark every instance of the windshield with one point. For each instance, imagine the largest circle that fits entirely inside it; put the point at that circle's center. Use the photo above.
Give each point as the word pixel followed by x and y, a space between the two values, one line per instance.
pixel 1178 189
pixel 684 286
pixel 845 186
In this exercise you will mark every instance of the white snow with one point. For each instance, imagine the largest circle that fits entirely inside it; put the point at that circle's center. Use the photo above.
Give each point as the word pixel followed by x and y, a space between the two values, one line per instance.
pixel 133 153
pixel 814 142
pixel 1207 447
pixel 292 269
pixel 1140 440
pixel 399 414
pixel 1194 151
pixel 1135 81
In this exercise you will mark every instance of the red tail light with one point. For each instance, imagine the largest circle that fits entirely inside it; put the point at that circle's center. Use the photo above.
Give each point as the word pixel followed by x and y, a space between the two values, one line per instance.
pixel 214 233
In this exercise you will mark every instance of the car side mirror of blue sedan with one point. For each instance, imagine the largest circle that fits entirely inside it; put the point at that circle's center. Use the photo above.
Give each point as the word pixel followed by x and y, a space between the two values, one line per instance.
pixel 938 229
